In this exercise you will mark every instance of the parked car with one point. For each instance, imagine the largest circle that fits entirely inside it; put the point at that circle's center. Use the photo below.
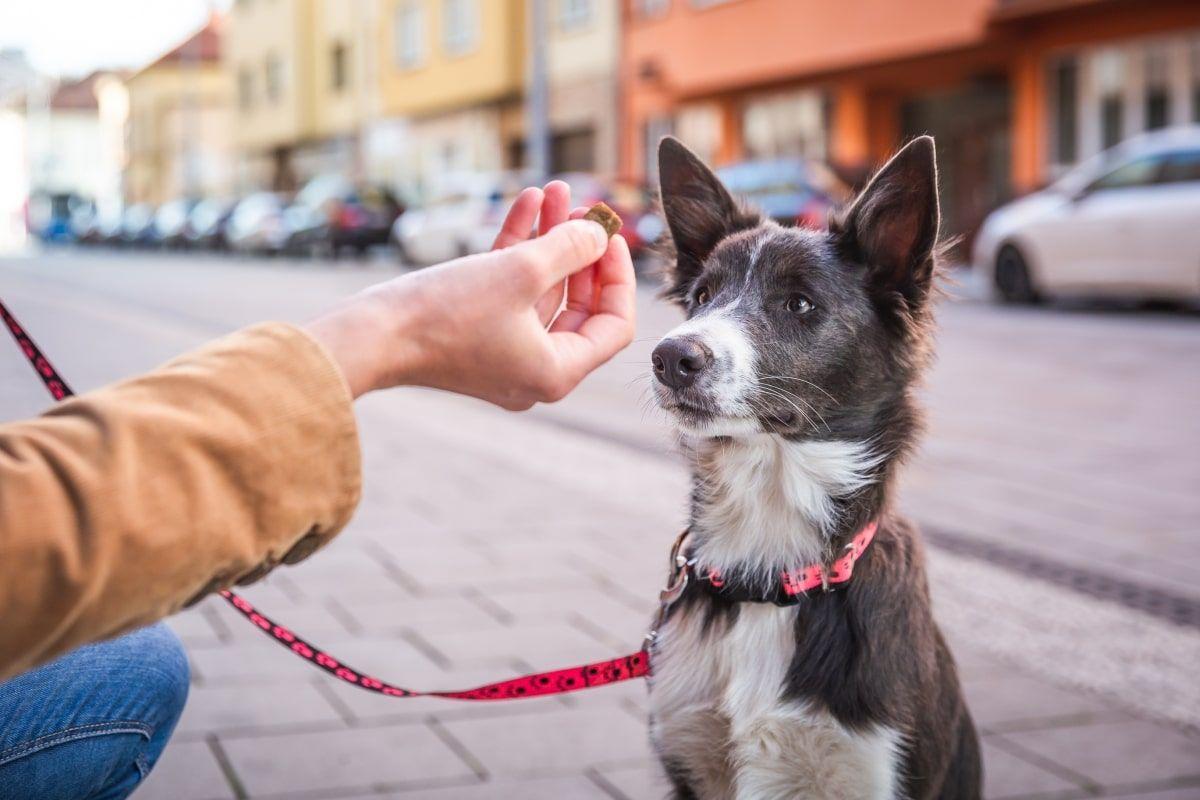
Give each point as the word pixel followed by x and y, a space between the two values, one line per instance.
pixel 137 226
pixel 206 224
pixel 791 191
pixel 1124 224
pixel 55 217
pixel 463 216
pixel 256 225
pixel 170 222
pixel 332 213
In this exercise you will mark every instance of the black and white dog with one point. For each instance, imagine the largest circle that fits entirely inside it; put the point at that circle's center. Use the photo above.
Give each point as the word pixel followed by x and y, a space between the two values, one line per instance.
pixel 792 385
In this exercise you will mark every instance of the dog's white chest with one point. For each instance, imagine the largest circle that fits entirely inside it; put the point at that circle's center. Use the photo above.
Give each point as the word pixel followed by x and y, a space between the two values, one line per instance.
pixel 718 714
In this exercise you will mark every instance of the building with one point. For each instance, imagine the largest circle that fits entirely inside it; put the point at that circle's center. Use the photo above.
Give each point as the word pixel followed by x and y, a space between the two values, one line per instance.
pixel 179 132
pixel 583 37
pixel 1014 90
pixel 451 77
pixel 305 79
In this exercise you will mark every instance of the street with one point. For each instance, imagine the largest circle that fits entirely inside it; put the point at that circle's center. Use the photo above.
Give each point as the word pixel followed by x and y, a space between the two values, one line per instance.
pixel 1058 485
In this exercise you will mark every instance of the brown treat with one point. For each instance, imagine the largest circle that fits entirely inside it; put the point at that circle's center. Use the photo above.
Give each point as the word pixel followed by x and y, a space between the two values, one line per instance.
pixel 607 218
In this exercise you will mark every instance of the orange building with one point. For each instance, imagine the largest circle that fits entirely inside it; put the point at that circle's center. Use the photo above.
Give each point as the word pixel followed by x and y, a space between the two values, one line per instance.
pixel 1014 90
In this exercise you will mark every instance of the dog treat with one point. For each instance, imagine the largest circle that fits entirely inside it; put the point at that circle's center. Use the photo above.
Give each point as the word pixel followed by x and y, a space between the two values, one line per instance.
pixel 607 218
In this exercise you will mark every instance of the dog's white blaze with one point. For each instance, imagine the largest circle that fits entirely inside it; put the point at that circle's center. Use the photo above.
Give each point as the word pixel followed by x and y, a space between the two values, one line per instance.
pixel 734 360
pixel 768 502
pixel 771 747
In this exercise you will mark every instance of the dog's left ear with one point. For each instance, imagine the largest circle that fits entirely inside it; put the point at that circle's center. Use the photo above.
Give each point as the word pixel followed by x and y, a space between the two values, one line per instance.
pixel 892 226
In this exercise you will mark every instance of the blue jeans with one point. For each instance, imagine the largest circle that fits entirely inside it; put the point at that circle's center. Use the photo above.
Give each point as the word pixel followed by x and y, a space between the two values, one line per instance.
pixel 92 724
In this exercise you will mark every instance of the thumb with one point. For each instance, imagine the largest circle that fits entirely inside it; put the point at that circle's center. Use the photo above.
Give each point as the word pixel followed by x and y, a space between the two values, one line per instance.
pixel 565 249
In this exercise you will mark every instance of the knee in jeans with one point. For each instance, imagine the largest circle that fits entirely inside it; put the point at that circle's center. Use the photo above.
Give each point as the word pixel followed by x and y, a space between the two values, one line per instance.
pixel 170 677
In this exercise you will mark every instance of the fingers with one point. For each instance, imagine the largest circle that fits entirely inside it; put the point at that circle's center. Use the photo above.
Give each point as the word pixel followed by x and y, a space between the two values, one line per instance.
pixel 518 223
pixel 565 250
pixel 556 204
pixel 584 341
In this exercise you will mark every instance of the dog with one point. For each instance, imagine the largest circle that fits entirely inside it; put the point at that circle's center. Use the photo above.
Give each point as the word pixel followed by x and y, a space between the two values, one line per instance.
pixel 800 657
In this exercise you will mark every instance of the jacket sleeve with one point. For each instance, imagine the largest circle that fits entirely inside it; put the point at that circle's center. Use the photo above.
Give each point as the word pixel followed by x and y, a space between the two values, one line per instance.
pixel 123 505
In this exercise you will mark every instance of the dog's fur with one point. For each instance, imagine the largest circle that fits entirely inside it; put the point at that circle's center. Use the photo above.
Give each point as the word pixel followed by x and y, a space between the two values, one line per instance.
pixel 795 428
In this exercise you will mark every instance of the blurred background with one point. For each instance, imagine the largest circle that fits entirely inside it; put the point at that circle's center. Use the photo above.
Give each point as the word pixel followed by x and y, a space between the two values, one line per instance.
pixel 171 171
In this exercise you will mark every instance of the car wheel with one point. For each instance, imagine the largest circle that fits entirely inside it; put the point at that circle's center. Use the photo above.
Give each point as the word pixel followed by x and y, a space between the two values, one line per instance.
pixel 1013 281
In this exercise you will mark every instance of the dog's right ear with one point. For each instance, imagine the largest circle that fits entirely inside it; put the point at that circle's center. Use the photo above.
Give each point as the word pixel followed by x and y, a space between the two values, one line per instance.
pixel 699 212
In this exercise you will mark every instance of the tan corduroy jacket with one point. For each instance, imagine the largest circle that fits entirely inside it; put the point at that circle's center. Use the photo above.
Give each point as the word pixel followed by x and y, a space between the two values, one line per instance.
pixel 126 504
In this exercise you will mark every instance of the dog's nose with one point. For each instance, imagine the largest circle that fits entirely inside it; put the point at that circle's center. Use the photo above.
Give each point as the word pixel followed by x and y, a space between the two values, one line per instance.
pixel 678 362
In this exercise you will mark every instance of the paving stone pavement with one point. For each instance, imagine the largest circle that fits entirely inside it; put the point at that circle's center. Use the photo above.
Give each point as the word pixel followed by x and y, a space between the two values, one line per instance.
pixel 484 548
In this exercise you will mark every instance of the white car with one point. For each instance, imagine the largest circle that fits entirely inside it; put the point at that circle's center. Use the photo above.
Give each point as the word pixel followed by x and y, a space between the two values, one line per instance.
pixel 463 217
pixel 1124 224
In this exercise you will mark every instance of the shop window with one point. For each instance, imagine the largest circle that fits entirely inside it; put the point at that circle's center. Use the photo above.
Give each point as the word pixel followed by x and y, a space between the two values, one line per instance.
pixel 1158 91
pixel 339 67
pixel 1112 120
pixel 273 74
pixel 1065 83
pixel 245 88
pixel 1194 72
pixel 699 127
pixel 1109 73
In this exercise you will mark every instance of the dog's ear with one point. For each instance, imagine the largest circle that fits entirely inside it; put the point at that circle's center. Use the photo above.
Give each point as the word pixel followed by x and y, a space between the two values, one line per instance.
pixel 892 226
pixel 698 209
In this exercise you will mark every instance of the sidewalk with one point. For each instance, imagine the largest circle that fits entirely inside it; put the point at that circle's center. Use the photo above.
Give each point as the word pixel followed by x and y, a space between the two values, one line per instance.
pixel 479 552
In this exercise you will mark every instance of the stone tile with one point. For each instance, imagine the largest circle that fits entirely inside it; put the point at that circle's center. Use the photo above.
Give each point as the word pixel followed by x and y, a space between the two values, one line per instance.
pixel 1183 793
pixel 553 743
pixel 1116 753
pixel 289 764
pixel 604 615
pixel 446 612
pixel 1016 700
pixel 186 771
pixel 546 646
pixel 574 788
pixel 1008 776
pixel 262 660
pixel 241 707
pixel 640 782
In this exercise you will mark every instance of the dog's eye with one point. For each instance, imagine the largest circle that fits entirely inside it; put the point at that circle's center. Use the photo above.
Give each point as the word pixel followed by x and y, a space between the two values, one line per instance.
pixel 799 304
pixel 703 296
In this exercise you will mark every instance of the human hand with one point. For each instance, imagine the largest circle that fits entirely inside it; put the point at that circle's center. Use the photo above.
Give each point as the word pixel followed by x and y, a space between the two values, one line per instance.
pixel 490 325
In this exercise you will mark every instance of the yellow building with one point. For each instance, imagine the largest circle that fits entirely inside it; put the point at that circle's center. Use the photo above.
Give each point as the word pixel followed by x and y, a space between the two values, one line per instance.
pixel 304 76
pixel 179 123
pixel 451 75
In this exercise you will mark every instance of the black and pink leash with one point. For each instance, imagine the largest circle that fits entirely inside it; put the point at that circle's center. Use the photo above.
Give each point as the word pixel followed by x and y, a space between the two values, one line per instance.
pixel 559 681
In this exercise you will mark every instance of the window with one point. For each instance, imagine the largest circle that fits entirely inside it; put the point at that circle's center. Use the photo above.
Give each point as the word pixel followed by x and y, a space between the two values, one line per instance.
pixel 460 25
pixel 652 8
pixel 1139 172
pixel 1110 83
pixel 274 78
pixel 339 67
pixel 574 14
pixel 1183 167
pixel 1065 83
pixel 245 88
pixel 1195 78
pixel 1158 90
pixel 409 32
pixel 785 124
